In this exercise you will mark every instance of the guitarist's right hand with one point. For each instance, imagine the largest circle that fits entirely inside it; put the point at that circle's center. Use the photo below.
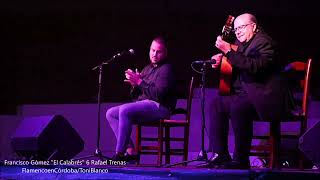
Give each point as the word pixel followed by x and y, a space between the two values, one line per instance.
pixel 217 58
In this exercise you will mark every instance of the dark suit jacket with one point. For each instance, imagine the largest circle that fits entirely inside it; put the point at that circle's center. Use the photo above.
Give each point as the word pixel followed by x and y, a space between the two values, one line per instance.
pixel 256 62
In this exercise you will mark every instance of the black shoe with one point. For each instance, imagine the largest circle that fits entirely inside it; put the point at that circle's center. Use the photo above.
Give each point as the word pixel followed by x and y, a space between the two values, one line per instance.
pixel 126 157
pixel 235 165
pixel 118 157
pixel 216 161
pixel 132 157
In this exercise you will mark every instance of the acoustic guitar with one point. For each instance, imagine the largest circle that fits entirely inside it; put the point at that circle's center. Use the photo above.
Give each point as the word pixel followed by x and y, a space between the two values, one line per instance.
pixel 226 68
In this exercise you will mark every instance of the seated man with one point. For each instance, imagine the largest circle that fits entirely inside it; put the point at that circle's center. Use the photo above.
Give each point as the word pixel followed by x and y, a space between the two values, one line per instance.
pixel 257 92
pixel 155 91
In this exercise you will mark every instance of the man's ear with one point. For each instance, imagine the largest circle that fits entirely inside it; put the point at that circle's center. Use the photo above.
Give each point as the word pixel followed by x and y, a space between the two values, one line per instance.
pixel 254 27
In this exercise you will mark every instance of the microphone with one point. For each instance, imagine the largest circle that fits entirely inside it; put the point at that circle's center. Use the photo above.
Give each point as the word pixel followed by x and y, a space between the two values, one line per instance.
pixel 213 61
pixel 130 52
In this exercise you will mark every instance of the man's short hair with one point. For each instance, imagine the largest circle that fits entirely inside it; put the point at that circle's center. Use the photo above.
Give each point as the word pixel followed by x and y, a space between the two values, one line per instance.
pixel 252 18
pixel 161 40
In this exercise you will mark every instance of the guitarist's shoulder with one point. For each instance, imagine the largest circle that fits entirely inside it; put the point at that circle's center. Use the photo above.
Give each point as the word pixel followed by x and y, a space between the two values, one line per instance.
pixel 262 36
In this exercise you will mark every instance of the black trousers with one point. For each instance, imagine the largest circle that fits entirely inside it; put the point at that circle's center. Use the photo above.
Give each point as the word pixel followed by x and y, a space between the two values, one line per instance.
pixel 241 112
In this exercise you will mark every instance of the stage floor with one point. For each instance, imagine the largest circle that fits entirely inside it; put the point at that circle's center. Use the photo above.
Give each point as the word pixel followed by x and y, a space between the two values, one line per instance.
pixel 113 172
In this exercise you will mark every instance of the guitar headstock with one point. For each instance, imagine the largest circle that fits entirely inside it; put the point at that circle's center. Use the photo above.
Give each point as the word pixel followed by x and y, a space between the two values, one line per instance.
pixel 227 28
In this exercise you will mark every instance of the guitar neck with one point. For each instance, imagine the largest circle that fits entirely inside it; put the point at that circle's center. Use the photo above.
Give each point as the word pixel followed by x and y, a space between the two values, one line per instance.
pixel 226 68
pixel 227 28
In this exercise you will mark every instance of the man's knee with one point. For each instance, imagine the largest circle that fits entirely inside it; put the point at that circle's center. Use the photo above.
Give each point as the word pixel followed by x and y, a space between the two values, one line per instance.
pixel 126 110
pixel 111 113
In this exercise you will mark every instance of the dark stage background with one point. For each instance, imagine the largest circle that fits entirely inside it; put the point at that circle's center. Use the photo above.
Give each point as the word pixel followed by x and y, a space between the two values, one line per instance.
pixel 49 47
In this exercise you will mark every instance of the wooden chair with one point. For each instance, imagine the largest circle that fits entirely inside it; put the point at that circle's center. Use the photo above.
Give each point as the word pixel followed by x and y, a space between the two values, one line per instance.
pixel 270 150
pixel 165 138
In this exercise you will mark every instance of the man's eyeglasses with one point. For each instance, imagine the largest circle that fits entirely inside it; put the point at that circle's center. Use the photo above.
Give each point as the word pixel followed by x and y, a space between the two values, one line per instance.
pixel 240 28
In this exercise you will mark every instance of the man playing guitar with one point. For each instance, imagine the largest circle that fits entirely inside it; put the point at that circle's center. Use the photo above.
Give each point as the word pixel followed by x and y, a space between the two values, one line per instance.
pixel 256 91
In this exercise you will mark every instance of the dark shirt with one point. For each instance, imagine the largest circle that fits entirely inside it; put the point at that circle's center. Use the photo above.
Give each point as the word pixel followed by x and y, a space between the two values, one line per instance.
pixel 252 63
pixel 158 84
pixel 259 76
pixel 237 77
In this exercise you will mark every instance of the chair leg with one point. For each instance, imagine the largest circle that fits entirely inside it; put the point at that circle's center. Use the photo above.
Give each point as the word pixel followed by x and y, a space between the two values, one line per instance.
pixel 186 144
pixel 138 142
pixel 167 143
pixel 160 144
pixel 275 143
pixel 301 161
pixel 303 127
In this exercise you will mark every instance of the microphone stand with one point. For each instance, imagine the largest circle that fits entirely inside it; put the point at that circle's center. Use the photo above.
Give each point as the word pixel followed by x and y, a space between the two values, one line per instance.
pixel 202 156
pixel 203 153
pixel 97 153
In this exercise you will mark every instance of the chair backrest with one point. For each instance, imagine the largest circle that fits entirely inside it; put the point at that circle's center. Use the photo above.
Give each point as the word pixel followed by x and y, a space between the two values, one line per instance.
pixel 306 87
pixel 189 101
pixel 304 83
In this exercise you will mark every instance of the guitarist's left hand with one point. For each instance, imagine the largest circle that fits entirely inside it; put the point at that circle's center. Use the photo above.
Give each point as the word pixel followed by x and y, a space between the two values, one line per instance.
pixel 223 45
